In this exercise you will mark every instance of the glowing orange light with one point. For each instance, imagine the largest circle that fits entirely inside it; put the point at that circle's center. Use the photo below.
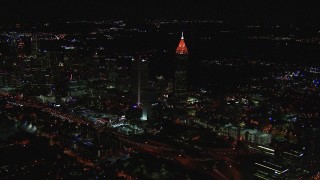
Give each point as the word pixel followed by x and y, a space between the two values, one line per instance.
pixel 182 48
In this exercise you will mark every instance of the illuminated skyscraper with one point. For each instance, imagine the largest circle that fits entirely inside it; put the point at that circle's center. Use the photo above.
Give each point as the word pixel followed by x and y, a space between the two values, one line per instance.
pixel 139 81
pixel 139 76
pixel 180 73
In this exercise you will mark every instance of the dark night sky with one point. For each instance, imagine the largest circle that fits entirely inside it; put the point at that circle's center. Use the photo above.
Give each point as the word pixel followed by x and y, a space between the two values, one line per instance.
pixel 238 11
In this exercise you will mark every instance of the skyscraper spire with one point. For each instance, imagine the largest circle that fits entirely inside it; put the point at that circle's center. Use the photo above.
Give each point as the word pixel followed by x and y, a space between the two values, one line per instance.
pixel 182 48
pixel 180 74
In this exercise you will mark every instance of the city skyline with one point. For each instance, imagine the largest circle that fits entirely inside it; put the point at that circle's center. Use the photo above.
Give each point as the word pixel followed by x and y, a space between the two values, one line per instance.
pixel 159 90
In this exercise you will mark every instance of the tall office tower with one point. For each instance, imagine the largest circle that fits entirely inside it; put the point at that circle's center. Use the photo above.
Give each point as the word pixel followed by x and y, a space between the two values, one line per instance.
pixel 35 46
pixel 19 64
pixel 180 74
pixel 21 50
pixel 139 77
pixel 111 69
pixel 3 78
pixel 139 83
pixel 61 80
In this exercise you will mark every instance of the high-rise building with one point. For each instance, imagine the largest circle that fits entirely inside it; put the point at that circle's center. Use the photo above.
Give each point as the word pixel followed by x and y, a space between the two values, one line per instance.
pixel 3 78
pixel 19 64
pixel 148 97
pixel 180 73
pixel 139 86
pixel 21 50
pixel 139 77
pixel 35 46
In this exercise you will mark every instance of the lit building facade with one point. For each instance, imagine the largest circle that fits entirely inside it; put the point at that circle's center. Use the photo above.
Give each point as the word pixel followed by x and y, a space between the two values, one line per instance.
pixel 269 170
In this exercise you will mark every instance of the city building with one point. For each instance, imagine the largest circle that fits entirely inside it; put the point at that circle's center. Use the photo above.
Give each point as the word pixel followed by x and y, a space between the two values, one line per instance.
pixel 269 170
pixel 262 149
pixel 148 97
pixel 21 50
pixel 294 157
pixel 3 78
pixel 249 135
pixel 180 72
pixel 139 84
pixel 255 136
pixel 35 46
pixel 139 77
pixel 230 131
